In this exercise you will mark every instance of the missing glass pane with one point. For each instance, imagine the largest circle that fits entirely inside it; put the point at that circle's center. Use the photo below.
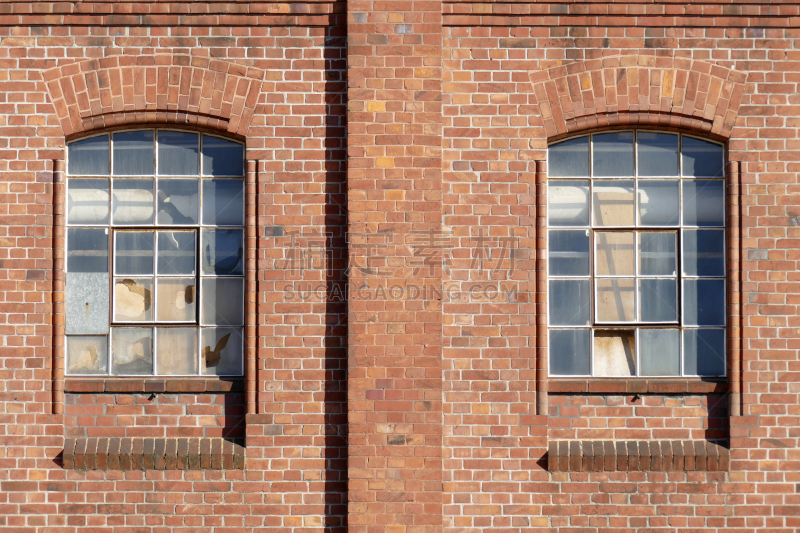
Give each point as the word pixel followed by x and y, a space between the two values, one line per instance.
pixel 133 299
pixel 134 252
pixel 569 159
pixel 569 302
pixel 613 203
pixel 222 301
pixel 658 153
pixel 176 252
pixel 88 157
pixel 223 251
pixel 223 202
pixel 221 351
pixel 568 203
pixel 178 202
pixel 612 154
pixel 133 201
pixel 704 253
pixel 614 353
pixel 178 153
pixel 570 352
pixel 614 253
pixel 87 354
pixel 134 153
pixel 704 302
pixel 87 201
pixel 659 203
pixel 657 254
pixel 176 352
pixel 616 300
pixel 131 351
pixel 176 299
pixel 659 352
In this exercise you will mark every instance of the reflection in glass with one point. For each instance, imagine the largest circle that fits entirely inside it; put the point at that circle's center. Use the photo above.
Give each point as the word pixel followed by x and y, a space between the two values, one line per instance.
pixel 612 154
pixel 176 299
pixel 86 301
pixel 178 201
pixel 659 203
pixel 613 203
pixel 133 252
pixel 659 352
pixel 222 301
pixel 658 300
pixel 87 201
pixel 616 300
pixel 223 251
pixel 704 252
pixel 88 157
pixel 133 299
pixel 176 352
pixel 614 252
pixel 223 202
pixel 568 203
pixel 87 250
pixel 133 201
pixel 701 158
pixel 569 159
pixel 658 154
pixel 221 351
pixel 704 352
pixel 87 354
pixel 614 353
pixel 569 302
pixel 703 203
pixel 222 157
pixel 657 254
pixel 570 352
pixel 134 153
pixel 177 153
pixel 704 302
pixel 568 252
pixel 176 252
pixel 131 351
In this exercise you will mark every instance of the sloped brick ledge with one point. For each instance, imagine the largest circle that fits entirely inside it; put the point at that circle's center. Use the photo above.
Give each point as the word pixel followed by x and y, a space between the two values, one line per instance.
pixel 631 456
pixel 138 453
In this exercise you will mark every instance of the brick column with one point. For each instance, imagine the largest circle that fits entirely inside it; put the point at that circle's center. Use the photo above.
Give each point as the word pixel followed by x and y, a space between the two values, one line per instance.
pixel 394 309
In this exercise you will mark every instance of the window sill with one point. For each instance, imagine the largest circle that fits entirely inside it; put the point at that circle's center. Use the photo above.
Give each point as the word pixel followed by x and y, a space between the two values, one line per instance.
pixel 638 385
pixel 153 384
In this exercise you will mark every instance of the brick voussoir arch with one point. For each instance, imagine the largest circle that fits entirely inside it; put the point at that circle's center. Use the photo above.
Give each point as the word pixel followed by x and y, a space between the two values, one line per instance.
pixel 636 89
pixel 156 89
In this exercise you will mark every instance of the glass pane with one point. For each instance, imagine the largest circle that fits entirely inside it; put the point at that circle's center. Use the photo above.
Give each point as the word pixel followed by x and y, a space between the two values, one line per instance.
pixel 570 352
pixel 87 354
pixel 658 300
pixel 176 299
pixel 568 252
pixel 659 352
pixel 569 159
pixel 704 302
pixel 176 252
pixel 659 203
pixel 177 201
pixel 704 352
pixel 131 351
pixel 614 254
pixel 86 300
pixel 704 253
pixel 133 299
pixel 223 251
pixel 613 154
pixel 221 352
pixel 134 153
pixel 568 203
pixel 176 352
pixel 222 157
pixel 614 353
pixel 222 301
pixel 658 154
pixel 703 203
pixel 570 301
pixel 87 201
pixel 88 157
pixel 133 252
pixel 701 158
pixel 657 254
pixel 178 153
pixel 616 301
pixel 613 203
pixel 133 201
pixel 223 202
pixel 87 250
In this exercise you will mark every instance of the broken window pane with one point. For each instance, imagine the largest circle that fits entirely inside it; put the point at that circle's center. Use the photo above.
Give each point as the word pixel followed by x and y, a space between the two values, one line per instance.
pixel 87 354
pixel 222 301
pixel 704 302
pixel 176 299
pixel 613 203
pixel 178 153
pixel 704 352
pixel 568 252
pixel 657 254
pixel 87 201
pixel 222 157
pixel 176 252
pixel 134 252
pixel 223 202
pixel 221 351
pixel 569 159
pixel 131 351
pixel 134 153
pixel 659 352
pixel 615 253
pixel 88 157
pixel 658 153
pixel 176 352
pixel 616 300
pixel 659 203
pixel 133 299
pixel 612 154
pixel 569 302
pixel 568 203
pixel 701 158
pixel 570 352
pixel 133 201
pixel 658 300
pixel 87 250
pixel 178 201
pixel 223 251
pixel 704 253
pixel 86 302
pixel 703 203
pixel 614 353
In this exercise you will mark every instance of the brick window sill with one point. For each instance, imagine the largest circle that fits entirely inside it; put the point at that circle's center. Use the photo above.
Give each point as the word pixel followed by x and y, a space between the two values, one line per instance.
pixel 637 386
pixel 153 384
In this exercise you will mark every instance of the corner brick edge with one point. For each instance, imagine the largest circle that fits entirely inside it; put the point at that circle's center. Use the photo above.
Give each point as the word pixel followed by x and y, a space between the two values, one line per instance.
pixel 632 455
pixel 139 453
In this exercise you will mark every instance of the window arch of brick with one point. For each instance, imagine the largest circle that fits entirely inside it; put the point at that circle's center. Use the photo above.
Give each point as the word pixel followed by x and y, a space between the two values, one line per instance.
pixel 159 89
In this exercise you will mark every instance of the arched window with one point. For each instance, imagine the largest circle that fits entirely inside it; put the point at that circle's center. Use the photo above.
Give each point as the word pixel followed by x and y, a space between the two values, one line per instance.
pixel 155 254
pixel 636 255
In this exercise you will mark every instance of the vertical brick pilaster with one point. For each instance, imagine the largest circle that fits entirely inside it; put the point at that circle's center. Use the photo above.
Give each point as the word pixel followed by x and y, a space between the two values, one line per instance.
pixel 541 288
pixel 395 316
pixel 251 247
pixel 734 229
pixel 58 341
